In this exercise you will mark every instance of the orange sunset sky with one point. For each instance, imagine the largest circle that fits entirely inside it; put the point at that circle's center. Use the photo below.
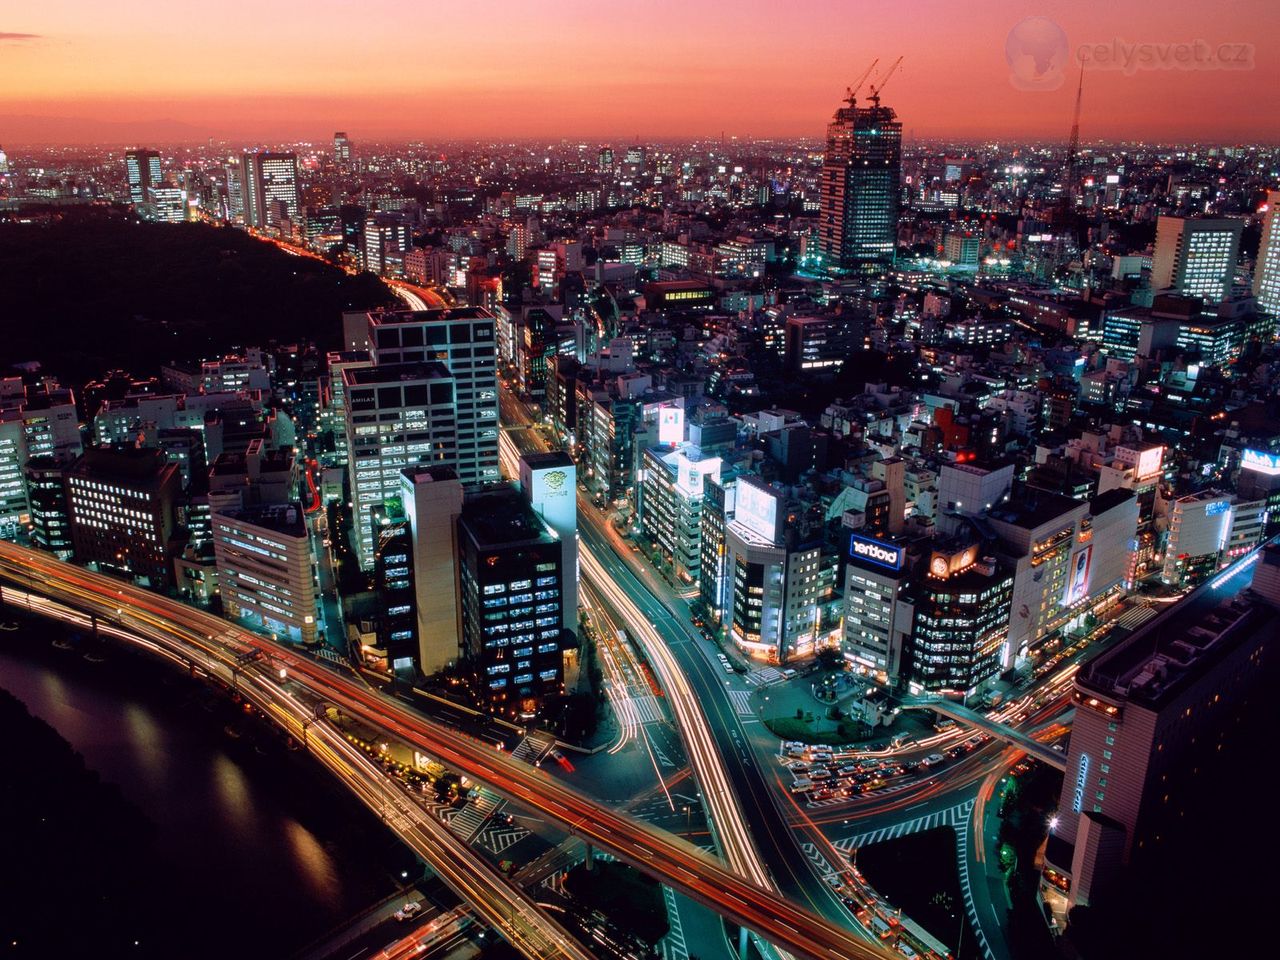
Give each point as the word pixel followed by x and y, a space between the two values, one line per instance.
pixel 84 71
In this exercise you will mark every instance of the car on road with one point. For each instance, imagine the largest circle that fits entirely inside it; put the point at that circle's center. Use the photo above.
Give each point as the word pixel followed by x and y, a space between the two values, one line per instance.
pixel 408 911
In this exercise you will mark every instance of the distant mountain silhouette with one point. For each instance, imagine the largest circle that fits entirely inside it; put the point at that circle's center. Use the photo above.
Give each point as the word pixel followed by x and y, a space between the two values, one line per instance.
pixel 27 128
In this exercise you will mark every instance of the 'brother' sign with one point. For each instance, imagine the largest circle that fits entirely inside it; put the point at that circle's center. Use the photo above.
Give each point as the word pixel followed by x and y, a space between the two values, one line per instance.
pixel 876 551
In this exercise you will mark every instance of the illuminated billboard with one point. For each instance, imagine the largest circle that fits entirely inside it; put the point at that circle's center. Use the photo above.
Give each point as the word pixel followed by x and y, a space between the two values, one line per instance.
pixel 757 509
pixel 1078 581
pixel 876 551
pixel 1261 461
pixel 671 424
pixel 690 474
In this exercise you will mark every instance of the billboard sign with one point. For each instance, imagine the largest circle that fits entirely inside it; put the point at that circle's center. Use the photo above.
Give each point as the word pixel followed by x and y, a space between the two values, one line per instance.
pixel 878 552
pixel 757 509
pixel 1261 461
pixel 671 425
pixel 1078 581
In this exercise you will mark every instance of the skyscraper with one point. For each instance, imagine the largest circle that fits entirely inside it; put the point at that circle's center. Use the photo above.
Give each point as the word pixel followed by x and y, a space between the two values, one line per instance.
pixel 341 148
pixel 861 172
pixel 236 210
pixel 1266 274
pixel 398 415
pixel 1196 256
pixel 266 179
pixel 142 169
pixel 463 340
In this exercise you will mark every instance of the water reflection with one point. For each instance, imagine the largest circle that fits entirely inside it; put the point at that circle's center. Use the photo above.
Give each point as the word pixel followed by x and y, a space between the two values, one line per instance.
pixel 234 826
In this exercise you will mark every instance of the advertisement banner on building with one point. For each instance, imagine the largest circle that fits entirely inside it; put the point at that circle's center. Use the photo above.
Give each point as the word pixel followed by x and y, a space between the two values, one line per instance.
pixel 757 509
pixel 670 424
pixel 877 552
pixel 1078 582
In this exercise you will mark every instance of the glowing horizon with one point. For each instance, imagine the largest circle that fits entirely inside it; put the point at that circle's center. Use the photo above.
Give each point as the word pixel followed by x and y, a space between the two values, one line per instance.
pixel 75 71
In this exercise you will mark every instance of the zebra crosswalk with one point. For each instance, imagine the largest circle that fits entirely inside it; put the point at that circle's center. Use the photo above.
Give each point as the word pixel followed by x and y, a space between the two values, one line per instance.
pixel 466 823
pixel 673 944
pixel 741 702
pixel 534 747
pixel 498 839
pixel 645 708
pixel 953 816
pixel 820 863
pixel 1134 618
pixel 966 889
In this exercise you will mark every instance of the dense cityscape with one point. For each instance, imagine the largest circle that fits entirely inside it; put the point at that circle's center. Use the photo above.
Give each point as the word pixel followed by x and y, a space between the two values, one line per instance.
pixel 737 547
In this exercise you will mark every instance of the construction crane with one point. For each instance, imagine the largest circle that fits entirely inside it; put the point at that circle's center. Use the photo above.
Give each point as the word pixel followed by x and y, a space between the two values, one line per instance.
pixel 876 88
pixel 851 92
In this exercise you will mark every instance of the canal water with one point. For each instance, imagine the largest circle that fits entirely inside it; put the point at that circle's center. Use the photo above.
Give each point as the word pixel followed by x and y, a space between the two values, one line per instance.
pixel 259 846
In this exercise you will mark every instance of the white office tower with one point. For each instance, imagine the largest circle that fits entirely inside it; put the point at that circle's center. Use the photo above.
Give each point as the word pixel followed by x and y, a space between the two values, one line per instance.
pixel 463 340
pixel 269 183
pixel 432 498
pixel 142 170
pixel 1266 274
pixel 1196 257
pixel 549 484
pixel 398 415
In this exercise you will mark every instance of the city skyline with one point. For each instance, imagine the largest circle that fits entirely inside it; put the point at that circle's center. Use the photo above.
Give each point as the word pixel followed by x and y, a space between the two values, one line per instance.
pixel 717 70
pixel 661 529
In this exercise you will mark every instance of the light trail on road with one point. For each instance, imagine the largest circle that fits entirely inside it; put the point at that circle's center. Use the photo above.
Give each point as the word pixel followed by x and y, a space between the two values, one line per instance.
pixel 675 862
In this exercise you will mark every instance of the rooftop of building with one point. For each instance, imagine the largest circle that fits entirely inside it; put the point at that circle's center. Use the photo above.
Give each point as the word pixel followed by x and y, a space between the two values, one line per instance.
pixel 502 518
pixel 388 373
pixel 1178 645
pixel 543 461
pixel 283 518
pixel 1031 507
pixel 123 465
pixel 435 315
pixel 1113 498
pixel 433 473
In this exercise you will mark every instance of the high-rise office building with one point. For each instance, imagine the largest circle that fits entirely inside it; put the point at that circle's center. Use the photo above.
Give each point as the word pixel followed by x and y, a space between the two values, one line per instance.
pixel 861 174
pixel 269 180
pixel 341 148
pixel 265 568
pixel 512 606
pixel 962 607
pixel 432 498
pixel 142 169
pixel 782 601
pixel 47 500
pixel 1152 714
pixel 235 210
pixel 463 340
pixel 877 616
pixel 549 484
pixel 386 238
pixel 397 415
pixel 1196 256
pixel 1266 273
pixel 121 509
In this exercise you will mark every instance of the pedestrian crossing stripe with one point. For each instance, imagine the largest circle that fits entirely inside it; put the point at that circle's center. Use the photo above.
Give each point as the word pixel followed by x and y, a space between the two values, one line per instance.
pixel 673 944
pixel 741 702
pixel 954 816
